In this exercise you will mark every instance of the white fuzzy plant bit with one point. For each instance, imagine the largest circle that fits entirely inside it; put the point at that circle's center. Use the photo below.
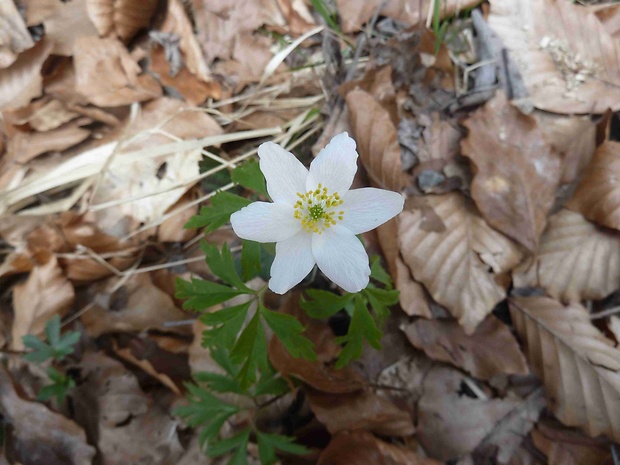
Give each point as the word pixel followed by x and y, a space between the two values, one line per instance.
pixel 314 217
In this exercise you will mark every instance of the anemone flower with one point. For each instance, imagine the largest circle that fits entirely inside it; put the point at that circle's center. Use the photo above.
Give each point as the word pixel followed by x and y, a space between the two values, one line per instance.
pixel 314 217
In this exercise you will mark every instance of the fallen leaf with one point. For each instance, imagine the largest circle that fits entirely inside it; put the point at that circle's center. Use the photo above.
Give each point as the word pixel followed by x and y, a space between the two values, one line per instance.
pixel 377 140
pixel 516 171
pixel 46 292
pixel 121 18
pixel 42 115
pixel 29 437
pixel 362 448
pixel 569 66
pixel 576 260
pixel 25 146
pixel 578 365
pixel 364 410
pixel 172 229
pixel 66 24
pixel 451 424
pixel 460 265
pixel 598 194
pixel 297 15
pixel 124 84
pixel 412 297
pixel 14 36
pixel 487 352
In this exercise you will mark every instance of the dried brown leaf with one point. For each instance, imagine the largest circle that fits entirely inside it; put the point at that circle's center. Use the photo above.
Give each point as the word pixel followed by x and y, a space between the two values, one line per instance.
pixel 489 351
pixel 121 18
pixel 124 83
pixel 460 265
pixel 377 140
pixel 569 66
pixel 39 435
pixel 450 424
pixel 25 146
pixel 67 23
pixel 362 448
pixel 360 410
pixel 578 365
pixel 576 260
pixel 45 293
pixel 598 195
pixel 516 170
pixel 14 36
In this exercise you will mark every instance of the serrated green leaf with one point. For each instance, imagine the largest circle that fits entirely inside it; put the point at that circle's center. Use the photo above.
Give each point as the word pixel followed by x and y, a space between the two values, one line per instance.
pixel 210 431
pixel 221 356
pixel 324 304
pixel 226 324
pixel 203 407
pixel 238 441
pixel 271 385
pixel 223 204
pixel 200 294
pixel 239 458
pixel 250 351
pixel 380 300
pixel 68 340
pixel 362 327
pixel 250 259
pixel 289 330
pixel 250 176
pixel 52 330
pixel 269 443
pixel 218 382
pixel 222 265
pixel 378 273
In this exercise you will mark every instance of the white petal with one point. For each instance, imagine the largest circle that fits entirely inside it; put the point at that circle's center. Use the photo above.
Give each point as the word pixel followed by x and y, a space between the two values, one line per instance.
pixel 365 209
pixel 284 173
pixel 293 262
pixel 335 165
pixel 265 222
pixel 342 257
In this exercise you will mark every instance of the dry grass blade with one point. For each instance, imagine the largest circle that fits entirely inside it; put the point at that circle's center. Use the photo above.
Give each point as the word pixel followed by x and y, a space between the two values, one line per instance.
pixel 460 261
pixel 578 365
pixel 598 195
pixel 576 260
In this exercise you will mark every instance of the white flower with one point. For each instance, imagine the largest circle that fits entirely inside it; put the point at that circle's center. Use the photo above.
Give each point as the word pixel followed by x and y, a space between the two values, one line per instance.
pixel 314 216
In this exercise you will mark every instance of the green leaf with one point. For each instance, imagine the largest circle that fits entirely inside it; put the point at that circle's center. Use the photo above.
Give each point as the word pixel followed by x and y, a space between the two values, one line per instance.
pixel 324 303
pixel 211 430
pixel 239 458
pixel 321 8
pixel 218 382
pixel 59 388
pixel 226 324
pixel 52 330
pixel 271 384
pixel 68 340
pixel 378 273
pixel 42 351
pixel 362 327
pixel 238 441
pixel 269 443
pixel 289 330
pixel 203 407
pixel 201 294
pixel 223 204
pixel 222 265
pixel 221 356
pixel 250 176
pixel 250 351
pixel 380 300
pixel 250 259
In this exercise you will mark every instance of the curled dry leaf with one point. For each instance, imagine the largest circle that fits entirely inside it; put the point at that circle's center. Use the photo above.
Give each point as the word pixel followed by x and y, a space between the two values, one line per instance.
pixel 121 18
pixel 451 424
pixel 598 195
pixel 14 36
pixel 516 171
pixel 46 292
pixel 38 435
pixel 489 351
pixel 578 365
pixel 362 448
pixel 569 66
pixel 25 146
pixel 461 264
pixel 360 410
pixel 124 83
pixel 377 140
pixel 576 260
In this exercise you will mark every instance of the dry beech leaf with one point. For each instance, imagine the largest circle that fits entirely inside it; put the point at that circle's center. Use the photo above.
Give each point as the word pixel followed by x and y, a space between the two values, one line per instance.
pixel 124 83
pixel 45 115
pixel 66 24
pixel 578 365
pixel 459 266
pixel 122 18
pixel 297 15
pixel 377 140
pixel 569 66
pixel 25 146
pixel 412 297
pixel 576 260
pixel 451 424
pixel 39 435
pixel 516 171
pixel 14 36
pixel 598 194
pixel 489 351
pixel 45 293
pixel 360 410
pixel 362 448
pixel 22 81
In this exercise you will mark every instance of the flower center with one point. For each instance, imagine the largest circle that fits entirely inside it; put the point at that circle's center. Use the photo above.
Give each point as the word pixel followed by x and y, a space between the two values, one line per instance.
pixel 317 210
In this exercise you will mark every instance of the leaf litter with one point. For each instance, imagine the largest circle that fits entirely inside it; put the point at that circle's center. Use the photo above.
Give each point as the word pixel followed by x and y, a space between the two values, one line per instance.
pixel 121 120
